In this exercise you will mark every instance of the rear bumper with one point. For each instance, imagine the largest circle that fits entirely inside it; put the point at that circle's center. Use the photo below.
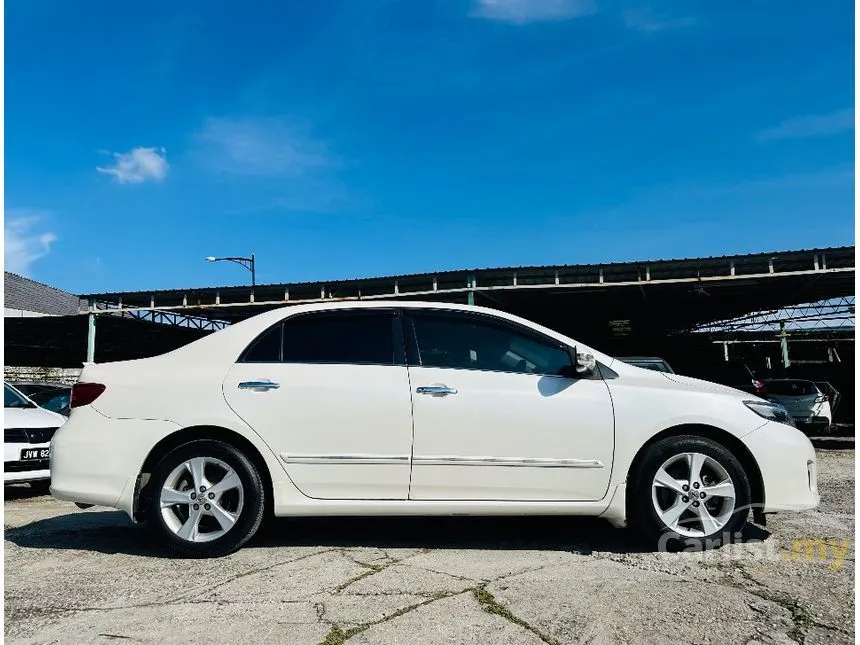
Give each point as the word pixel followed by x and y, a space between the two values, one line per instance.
pixel 789 467
pixel 96 460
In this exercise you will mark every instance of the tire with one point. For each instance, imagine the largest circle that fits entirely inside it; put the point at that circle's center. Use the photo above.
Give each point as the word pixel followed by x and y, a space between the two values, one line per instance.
pixel 702 523
pixel 225 519
pixel 41 486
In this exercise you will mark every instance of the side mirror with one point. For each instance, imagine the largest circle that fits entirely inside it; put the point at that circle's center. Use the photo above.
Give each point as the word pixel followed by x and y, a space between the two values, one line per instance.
pixel 582 365
pixel 585 363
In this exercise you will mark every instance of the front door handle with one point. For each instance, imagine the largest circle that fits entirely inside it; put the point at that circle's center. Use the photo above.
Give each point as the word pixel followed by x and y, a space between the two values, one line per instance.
pixel 435 390
pixel 259 385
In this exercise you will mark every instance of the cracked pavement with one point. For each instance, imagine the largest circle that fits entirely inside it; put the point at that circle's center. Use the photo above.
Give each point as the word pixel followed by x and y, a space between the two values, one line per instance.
pixel 93 577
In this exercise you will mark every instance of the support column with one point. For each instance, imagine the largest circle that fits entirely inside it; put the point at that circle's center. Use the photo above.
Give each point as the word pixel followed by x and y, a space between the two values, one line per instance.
pixel 471 285
pixel 91 334
pixel 783 343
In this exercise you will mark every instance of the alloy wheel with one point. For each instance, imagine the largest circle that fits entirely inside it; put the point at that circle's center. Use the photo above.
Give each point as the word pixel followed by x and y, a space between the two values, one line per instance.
pixel 201 499
pixel 693 495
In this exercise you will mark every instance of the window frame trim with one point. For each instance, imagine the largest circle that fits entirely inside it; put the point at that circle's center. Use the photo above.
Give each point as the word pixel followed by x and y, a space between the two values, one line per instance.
pixel 413 356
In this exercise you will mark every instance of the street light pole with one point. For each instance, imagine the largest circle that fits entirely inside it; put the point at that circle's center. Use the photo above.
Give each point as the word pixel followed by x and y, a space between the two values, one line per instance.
pixel 249 263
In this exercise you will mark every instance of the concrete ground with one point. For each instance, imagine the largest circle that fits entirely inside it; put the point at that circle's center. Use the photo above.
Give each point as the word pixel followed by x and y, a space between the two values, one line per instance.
pixel 92 577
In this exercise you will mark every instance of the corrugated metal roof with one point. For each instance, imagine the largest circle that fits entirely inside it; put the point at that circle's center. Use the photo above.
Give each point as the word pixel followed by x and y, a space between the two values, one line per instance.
pixel 841 251
pixel 28 295
pixel 536 269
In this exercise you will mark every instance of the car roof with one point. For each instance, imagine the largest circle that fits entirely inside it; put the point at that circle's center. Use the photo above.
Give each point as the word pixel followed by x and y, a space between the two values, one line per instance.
pixel 229 342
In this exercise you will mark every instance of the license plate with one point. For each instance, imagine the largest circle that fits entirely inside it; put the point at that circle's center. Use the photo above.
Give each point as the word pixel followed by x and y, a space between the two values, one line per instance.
pixel 35 453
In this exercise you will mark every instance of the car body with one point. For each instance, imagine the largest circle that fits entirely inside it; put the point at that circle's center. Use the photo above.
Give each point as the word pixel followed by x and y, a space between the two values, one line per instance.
pixel 732 373
pixel 411 408
pixel 806 403
pixel 27 433
pixel 55 397
pixel 649 363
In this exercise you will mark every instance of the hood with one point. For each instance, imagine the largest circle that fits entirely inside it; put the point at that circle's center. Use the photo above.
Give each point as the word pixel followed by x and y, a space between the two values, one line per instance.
pixel 31 418
pixel 690 383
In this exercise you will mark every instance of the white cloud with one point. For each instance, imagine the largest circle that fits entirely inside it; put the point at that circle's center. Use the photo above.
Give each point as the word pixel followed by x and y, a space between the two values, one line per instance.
pixel 646 20
pixel 138 165
pixel 525 11
pixel 815 125
pixel 272 164
pixel 23 241
pixel 266 147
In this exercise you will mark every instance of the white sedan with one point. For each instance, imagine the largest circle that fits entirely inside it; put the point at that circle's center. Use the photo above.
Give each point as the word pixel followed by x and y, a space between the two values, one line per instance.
pixel 27 432
pixel 407 408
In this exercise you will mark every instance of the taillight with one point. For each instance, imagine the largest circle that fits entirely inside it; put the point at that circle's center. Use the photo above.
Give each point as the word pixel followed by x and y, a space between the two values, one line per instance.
pixel 85 393
pixel 759 387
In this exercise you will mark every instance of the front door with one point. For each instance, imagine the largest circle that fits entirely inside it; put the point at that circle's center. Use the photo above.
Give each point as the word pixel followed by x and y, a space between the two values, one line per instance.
pixel 329 392
pixel 498 416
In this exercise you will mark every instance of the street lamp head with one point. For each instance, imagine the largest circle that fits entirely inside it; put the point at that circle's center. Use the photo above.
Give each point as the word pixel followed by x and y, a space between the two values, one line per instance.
pixel 211 258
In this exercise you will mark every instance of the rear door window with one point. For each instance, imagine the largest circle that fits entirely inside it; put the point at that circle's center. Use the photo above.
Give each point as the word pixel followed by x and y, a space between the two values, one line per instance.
pixel 362 337
pixel 266 348
pixel 342 337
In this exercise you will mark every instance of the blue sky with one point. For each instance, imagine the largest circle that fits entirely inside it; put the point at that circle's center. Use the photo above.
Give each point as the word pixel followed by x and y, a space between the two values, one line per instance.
pixel 356 138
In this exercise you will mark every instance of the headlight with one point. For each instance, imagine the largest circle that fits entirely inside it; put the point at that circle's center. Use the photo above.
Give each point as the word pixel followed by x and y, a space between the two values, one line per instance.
pixel 770 411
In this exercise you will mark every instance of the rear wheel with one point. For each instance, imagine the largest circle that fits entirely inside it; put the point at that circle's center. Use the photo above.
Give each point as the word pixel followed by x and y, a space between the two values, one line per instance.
pixel 689 491
pixel 205 499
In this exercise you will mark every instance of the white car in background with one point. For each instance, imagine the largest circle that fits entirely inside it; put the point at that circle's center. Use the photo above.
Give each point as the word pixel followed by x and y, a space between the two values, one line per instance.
pixel 27 433
pixel 806 403
pixel 408 408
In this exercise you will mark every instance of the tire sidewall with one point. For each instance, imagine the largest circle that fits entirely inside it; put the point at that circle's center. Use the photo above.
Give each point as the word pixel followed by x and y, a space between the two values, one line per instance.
pixel 252 505
pixel 645 515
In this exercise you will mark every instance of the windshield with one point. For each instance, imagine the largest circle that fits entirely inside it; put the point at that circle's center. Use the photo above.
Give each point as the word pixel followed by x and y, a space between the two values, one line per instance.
pixel 11 399
pixel 53 401
pixel 791 388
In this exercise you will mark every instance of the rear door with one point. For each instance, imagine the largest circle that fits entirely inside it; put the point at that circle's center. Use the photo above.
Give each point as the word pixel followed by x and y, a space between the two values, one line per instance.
pixel 329 392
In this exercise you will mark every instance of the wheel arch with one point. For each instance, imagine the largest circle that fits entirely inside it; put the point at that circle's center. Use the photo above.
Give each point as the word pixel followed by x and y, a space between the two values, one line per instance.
pixel 193 433
pixel 718 435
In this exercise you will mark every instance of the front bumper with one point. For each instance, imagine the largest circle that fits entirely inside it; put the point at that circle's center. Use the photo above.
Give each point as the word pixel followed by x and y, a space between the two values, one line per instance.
pixel 788 465
pixel 96 460
pixel 21 476
pixel 17 470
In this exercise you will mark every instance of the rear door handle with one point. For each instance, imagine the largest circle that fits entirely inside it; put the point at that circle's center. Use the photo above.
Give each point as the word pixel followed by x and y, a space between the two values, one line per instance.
pixel 435 390
pixel 259 385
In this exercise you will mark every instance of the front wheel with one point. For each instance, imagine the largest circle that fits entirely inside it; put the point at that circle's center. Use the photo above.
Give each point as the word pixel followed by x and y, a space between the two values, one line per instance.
pixel 205 499
pixel 689 490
